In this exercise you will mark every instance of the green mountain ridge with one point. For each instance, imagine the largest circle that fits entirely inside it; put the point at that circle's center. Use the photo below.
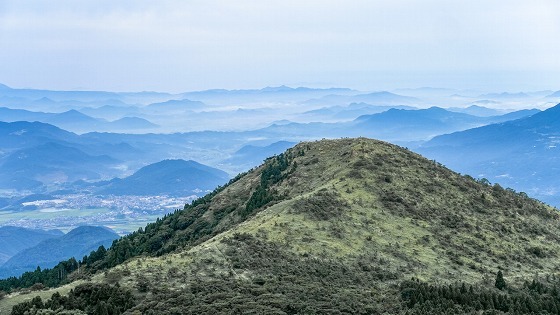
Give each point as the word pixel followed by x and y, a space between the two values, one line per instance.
pixel 330 227
pixel 48 252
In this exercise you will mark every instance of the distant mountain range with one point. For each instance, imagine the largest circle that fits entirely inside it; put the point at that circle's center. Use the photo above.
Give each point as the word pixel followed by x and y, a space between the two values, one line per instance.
pixel 175 106
pixel 349 112
pixel 50 251
pixel 522 154
pixel 346 226
pixel 399 125
pixel 252 155
pixel 76 121
pixel 505 95
pixel 267 94
pixel 15 239
pixel 555 94
pixel 375 98
pixel 50 163
pixel 168 177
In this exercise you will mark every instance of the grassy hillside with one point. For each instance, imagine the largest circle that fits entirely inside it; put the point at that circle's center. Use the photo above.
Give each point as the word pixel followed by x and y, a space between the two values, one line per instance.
pixel 334 226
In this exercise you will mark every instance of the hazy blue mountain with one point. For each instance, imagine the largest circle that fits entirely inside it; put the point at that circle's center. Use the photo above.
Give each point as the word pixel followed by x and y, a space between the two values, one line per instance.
pixel 168 177
pixel 12 115
pixel 252 155
pixel 175 106
pixel 555 94
pixel 51 163
pixel 410 125
pixel 15 239
pixel 522 154
pixel 541 93
pixel 22 134
pixel 47 253
pixel 486 102
pixel 477 110
pixel 505 95
pixel 515 115
pixel 392 125
pixel 278 94
pixel 111 112
pixel 57 95
pixel 130 123
pixel 349 112
pixel 416 124
pixel 375 98
pixel 74 120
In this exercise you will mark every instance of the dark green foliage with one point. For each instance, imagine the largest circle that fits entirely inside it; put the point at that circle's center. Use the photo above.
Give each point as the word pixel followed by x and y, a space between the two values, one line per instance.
pixel 353 190
pixel 188 227
pixel 500 282
pixel 76 243
pixel 532 298
pixel 49 277
pixel 97 299
pixel 322 205
pixel 272 173
pixel 281 282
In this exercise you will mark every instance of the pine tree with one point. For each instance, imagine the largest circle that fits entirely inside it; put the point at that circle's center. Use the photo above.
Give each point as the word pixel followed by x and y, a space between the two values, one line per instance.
pixel 500 282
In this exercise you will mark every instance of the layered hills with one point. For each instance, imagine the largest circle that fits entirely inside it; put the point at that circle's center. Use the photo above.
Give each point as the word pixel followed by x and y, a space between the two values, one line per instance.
pixel 168 177
pixel 51 250
pixel 334 226
pixel 15 239
pixel 522 153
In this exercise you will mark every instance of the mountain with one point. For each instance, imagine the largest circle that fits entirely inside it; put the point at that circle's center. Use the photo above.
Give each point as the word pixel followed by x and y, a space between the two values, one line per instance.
pixel 46 254
pixel 409 124
pixel 21 134
pixel 422 124
pixel 268 94
pixel 51 96
pixel 505 95
pixel 396 125
pixel 168 177
pixel 72 118
pixel 521 154
pixel 337 226
pixel 50 163
pixel 252 155
pixel 477 110
pixel 555 94
pixel 130 123
pixel 375 98
pixel 349 112
pixel 111 112
pixel 12 115
pixel 175 106
pixel 15 239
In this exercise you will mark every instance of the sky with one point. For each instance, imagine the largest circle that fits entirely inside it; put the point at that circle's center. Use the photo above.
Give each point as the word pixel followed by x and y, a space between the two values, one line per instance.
pixel 186 45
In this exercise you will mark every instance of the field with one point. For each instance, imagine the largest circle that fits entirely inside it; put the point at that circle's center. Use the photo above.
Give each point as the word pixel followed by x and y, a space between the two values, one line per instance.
pixel 65 219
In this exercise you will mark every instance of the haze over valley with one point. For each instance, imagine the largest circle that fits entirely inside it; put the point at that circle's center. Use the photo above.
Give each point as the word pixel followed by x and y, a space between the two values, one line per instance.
pixel 279 157
pixel 61 178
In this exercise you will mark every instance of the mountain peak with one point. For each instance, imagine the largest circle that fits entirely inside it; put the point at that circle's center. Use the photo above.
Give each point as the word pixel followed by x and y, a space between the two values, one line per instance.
pixel 351 219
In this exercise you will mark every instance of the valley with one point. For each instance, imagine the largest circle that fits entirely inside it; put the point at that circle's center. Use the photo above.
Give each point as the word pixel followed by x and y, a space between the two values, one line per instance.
pixel 334 223
pixel 279 157
pixel 261 216
pixel 121 213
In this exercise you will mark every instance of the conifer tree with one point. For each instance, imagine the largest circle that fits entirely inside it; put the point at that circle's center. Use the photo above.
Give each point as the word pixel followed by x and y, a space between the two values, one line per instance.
pixel 500 282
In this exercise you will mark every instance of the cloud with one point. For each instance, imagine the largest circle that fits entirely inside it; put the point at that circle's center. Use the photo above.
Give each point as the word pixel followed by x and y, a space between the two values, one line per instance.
pixel 178 45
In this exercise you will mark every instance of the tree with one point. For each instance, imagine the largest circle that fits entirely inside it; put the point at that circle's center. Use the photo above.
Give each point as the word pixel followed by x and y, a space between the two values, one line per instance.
pixel 500 282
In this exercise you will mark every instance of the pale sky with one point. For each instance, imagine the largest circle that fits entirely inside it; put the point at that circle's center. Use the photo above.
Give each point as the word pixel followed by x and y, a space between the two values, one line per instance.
pixel 185 45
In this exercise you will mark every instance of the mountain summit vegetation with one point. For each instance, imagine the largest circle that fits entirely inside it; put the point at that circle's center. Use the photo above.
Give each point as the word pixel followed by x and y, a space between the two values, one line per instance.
pixel 347 226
